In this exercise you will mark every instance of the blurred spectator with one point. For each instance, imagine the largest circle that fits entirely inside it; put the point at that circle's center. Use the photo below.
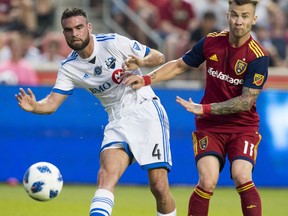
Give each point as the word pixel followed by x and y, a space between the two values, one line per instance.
pixel 16 70
pixel 177 19
pixel 149 12
pixel 31 53
pixel 45 13
pixel 219 7
pixel 265 9
pixel 4 49
pixel 279 35
pixel 264 38
pixel 208 24
pixel 54 48
pixel 120 18
pixel 30 46
pixel 17 15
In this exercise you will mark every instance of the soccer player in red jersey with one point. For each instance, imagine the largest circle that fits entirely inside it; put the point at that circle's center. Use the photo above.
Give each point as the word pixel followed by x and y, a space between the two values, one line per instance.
pixel 227 122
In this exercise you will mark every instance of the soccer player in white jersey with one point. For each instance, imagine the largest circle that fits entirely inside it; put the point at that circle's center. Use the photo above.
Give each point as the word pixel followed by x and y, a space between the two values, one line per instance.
pixel 138 127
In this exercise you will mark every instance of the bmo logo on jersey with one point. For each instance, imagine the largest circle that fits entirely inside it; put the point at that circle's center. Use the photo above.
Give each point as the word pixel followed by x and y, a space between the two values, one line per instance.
pixel 100 88
pixel 118 75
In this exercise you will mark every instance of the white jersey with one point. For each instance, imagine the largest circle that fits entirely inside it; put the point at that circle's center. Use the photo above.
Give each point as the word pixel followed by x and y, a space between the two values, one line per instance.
pixel 144 133
pixel 102 74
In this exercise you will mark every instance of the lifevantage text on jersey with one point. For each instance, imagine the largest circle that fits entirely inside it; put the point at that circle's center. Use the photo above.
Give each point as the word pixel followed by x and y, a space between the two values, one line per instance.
pixel 224 77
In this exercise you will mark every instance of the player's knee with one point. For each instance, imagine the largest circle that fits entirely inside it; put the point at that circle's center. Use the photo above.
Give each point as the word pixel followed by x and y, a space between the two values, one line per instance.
pixel 208 184
pixel 241 178
pixel 159 188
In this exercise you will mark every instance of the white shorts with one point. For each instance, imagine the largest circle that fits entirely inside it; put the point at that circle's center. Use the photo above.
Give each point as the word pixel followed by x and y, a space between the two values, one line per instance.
pixel 143 134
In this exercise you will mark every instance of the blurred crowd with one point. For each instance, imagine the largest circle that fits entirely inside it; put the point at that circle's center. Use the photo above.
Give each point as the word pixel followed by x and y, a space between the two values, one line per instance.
pixel 28 39
pixel 181 23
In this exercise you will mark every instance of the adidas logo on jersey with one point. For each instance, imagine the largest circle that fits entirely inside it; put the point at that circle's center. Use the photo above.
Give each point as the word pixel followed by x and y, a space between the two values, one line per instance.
pixel 86 76
pixel 214 58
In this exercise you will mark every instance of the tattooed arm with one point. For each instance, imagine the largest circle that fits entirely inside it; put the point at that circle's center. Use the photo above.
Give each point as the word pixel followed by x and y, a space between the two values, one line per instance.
pixel 242 103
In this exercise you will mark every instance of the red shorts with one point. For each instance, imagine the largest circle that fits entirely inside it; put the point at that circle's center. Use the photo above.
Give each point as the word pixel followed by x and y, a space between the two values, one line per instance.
pixel 236 146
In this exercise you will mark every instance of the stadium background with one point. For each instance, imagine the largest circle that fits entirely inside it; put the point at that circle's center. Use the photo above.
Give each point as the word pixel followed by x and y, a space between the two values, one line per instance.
pixel 71 137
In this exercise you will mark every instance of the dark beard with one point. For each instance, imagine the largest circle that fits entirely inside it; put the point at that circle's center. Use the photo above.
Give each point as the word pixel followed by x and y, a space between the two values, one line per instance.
pixel 82 46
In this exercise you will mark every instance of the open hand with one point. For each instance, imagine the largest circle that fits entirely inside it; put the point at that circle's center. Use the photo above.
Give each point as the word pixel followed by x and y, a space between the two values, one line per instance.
pixel 26 101
pixel 190 106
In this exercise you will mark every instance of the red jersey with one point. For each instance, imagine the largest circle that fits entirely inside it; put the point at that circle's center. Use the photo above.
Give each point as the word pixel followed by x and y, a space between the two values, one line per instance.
pixel 228 69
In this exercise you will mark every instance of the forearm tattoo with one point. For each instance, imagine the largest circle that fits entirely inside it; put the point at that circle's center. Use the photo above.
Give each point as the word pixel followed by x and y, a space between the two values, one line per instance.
pixel 153 75
pixel 242 103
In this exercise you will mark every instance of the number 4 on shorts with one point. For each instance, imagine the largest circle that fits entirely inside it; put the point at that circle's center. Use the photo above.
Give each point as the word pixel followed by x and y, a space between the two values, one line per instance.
pixel 156 152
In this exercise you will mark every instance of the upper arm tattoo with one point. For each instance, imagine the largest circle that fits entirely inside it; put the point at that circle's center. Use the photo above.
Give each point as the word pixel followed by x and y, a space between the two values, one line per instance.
pixel 242 103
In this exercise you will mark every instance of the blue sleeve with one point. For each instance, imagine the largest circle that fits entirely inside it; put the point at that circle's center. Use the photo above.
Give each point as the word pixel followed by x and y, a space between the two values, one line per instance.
pixel 147 51
pixel 195 56
pixel 70 92
pixel 257 73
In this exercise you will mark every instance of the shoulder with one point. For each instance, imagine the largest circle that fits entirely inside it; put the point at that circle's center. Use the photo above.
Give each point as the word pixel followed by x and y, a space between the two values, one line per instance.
pixel 216 39
pixel 71 57
pixel 110 40
pixel 218 35
pixel 255 49
pixel 106 37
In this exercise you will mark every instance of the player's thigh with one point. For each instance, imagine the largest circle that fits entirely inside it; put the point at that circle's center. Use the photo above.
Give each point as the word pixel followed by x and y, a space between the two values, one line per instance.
pixel 209 144
pixel 243 146
pixel 208 170
pixel 113 163
pixel 241 171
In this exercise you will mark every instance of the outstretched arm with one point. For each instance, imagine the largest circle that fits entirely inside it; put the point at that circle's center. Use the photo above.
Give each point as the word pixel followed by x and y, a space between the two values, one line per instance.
pixel 165 72
pixel 242 103
pixel 27 101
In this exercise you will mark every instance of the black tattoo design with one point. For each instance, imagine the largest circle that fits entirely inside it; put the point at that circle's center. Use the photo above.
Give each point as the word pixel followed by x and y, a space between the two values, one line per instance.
pixel 153 75
pixel 242 103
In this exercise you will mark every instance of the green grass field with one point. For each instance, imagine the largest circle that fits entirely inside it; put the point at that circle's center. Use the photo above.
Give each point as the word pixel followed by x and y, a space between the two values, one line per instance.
pixel 74 200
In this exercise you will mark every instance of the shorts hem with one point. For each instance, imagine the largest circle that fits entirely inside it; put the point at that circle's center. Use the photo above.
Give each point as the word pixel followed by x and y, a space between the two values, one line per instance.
pixel 165 165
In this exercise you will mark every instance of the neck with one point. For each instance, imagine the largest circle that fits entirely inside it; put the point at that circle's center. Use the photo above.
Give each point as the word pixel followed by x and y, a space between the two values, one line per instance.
pixel 238 41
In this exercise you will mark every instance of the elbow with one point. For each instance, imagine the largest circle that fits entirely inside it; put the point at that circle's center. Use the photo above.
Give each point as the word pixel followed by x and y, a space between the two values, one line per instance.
pixel 52 110
pixel 247 106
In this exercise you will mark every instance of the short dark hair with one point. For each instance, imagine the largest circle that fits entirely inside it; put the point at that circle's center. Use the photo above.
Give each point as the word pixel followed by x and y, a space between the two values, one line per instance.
pixel 242 2
pixel 73 12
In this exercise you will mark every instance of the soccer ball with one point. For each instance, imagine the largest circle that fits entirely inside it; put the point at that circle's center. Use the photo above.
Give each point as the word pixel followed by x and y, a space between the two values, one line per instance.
pixel 43 181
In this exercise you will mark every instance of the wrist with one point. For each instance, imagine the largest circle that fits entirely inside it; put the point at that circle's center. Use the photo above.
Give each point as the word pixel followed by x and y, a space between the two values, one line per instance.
pixel 206 108
pixel 147 80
